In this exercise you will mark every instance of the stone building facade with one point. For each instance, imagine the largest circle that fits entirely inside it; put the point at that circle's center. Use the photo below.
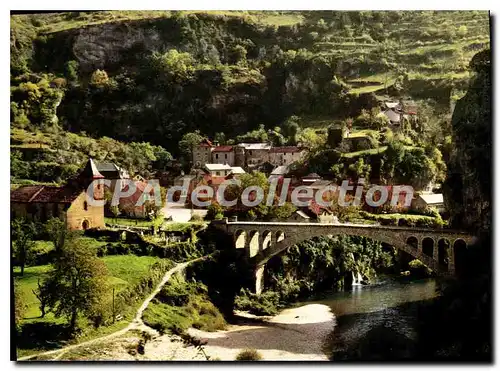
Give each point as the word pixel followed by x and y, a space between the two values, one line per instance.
pixel 279 156
pixel 68 202
pixel 223 155
pixel 202 153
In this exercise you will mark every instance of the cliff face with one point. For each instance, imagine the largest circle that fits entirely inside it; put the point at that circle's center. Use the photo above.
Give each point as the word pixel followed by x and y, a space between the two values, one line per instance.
pixel 98 46
pixel 469 185
pixel 171 74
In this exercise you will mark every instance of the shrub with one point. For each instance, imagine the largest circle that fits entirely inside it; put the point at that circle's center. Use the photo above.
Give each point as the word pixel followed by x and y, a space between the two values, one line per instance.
pixel 267 303
pixel 249 355
pixel 214 212
pixel 181 305
pixel 417 268
pixel 389 221
pixel 196 218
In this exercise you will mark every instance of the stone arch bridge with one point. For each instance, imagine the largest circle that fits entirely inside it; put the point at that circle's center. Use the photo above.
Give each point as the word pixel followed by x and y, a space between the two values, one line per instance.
pixel 436 248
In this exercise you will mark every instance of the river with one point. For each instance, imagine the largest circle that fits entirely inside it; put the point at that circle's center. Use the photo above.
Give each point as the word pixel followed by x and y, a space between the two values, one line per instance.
pixel 372 322
pixel 376 322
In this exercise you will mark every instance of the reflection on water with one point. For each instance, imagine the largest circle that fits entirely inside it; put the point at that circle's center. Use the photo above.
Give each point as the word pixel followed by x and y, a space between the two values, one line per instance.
pixel 370 323
pixel 373 298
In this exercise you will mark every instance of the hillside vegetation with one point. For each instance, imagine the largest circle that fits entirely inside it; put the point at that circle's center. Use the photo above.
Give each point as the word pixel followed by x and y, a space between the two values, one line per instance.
pixel 145 76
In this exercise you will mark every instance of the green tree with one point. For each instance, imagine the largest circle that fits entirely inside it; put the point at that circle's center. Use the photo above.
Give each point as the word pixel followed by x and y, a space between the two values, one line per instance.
pixel 115 210
pixel 220 138
pixel 78 282
pixel 23 233
pixel 360 169
pixel 19 169
pixel 178 67
pixel 310 139
pixel 57 231
pixel 188 142
pixel 214 212
pixel 336 134
pixel 238 55
pixel 99 78
pixel 282 212
pixel 72 70
pixel 291 129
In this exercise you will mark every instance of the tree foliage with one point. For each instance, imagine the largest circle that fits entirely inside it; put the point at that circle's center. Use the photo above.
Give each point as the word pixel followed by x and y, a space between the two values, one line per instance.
pixel 23 235
pixel 77 282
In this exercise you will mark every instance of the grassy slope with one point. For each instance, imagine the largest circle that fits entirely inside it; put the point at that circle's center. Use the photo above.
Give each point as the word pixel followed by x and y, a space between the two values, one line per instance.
pixel 55 22
pixel 124 271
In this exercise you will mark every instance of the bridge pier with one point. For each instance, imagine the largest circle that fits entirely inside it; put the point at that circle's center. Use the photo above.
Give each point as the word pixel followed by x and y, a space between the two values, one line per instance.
pixel 259 279
pixel 451 261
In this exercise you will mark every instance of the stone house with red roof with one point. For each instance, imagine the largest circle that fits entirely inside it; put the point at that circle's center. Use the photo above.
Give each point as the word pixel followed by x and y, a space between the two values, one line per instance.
pixel 286 155
pixel 129 205
pixel 202 153
pixel 69 202
pixel 223 155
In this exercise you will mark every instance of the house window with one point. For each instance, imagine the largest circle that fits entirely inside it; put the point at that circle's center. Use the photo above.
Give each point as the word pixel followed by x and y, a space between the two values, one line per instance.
pixel 250 152
pixel 85 206
pixel 225 156
pixel 217 173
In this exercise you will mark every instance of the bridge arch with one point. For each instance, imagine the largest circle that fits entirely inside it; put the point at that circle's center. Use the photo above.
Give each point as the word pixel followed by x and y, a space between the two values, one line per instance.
pixel 428 246
pixel 272 238
pixel 413 242
pixel 460 254
pixel 267 237
pixel 280 236
pixel 240 237
pixel 291 239
pixel 254 245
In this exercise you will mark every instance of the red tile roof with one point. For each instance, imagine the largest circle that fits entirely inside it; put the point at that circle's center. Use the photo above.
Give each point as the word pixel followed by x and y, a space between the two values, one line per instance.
pixel 52 194
pixel 24 194
pixel 205 143
pixel 139 191
pixel 223 149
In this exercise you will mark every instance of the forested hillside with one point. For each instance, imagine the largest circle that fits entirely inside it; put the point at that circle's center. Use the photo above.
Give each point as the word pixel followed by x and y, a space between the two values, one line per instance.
pixel 153 76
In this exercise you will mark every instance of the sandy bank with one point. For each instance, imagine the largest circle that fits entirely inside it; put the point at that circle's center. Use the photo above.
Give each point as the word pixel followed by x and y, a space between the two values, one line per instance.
pixel 295 334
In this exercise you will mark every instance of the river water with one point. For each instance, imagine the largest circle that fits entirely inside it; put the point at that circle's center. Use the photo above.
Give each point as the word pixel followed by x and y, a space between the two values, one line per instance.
pixel 376 322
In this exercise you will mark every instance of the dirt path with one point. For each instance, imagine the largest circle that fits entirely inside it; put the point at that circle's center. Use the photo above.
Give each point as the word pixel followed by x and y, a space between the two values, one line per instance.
pixel 135 324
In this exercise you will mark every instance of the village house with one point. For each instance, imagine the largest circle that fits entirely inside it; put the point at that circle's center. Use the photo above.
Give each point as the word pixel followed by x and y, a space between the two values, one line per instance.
pixel 279 172
pixel 113 173
pixel 202 153
pixel 320 213
pixel 393 116
pixel 425 200
pixel 237 170
pixel 129 205
pixel 285 155
pixel 254 154
pixel 68 202
pixel 216 170
pixel 223 155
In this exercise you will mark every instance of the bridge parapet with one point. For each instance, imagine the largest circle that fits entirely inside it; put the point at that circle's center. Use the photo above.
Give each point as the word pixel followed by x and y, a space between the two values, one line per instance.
pixel 263 240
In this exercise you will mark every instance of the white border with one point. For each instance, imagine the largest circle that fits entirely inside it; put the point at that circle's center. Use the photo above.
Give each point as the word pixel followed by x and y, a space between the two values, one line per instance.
pixel 190 5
